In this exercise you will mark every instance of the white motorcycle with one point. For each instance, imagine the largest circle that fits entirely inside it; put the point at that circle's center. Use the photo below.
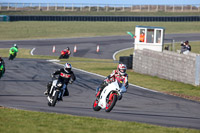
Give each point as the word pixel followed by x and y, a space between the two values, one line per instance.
pixel 55 92
pixel 109 96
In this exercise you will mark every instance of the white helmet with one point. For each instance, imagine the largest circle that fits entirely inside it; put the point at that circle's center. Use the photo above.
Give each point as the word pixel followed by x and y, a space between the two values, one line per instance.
pixel 67 67
pixel 122 69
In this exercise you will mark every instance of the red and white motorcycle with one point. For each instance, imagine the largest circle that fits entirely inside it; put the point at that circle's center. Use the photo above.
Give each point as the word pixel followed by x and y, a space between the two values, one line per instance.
pixel 109 96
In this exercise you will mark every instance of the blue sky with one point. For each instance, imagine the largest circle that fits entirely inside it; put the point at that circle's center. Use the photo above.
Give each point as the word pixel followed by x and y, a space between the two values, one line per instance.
pixel 134 2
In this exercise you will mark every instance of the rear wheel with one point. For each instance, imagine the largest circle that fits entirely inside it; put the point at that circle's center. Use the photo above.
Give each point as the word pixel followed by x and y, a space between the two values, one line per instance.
pixel 95 106
pixel 111 102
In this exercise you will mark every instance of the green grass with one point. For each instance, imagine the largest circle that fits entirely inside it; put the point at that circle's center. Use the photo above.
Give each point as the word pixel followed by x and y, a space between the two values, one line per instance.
pixel 78 13
pixel 19 121
pixel 28 121
pixel 39 29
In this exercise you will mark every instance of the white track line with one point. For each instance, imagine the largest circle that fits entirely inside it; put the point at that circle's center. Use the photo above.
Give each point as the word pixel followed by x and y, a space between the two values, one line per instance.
pixel 104 77
pixel 119 51
pixel 32 51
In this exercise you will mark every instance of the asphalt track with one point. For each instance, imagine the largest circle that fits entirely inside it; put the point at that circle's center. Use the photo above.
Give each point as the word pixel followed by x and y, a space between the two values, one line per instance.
pixel 25 80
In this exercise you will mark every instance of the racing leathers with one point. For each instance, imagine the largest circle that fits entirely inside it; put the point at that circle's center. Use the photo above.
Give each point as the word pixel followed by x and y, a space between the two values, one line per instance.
pixel 115 75
pixel 64 77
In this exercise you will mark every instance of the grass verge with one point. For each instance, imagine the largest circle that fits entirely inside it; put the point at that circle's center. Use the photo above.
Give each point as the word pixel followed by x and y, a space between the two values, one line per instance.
pixel 38 30
pixel 19 121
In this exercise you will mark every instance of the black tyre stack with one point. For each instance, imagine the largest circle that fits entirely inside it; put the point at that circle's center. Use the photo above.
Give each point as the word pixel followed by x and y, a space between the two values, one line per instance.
pixel 127 60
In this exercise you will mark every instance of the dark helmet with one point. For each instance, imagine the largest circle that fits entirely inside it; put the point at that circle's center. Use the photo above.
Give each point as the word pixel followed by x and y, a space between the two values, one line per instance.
pixel 0 58
pixel 68 48
pixel 186 41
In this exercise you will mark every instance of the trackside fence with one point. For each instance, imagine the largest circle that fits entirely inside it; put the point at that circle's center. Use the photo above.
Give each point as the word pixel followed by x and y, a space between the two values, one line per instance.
pixel 105 18
pixel 97 7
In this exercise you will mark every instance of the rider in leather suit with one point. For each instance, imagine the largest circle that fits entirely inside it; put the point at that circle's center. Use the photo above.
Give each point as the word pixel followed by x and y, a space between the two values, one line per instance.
pixel 119 74
pixel 65 76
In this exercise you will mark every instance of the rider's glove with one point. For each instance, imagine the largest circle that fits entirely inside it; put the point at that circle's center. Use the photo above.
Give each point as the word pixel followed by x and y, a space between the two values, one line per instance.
pixel 70 82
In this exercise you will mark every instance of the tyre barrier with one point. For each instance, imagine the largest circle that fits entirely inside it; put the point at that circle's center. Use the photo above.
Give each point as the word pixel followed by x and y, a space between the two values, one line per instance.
pixel 104 18
pixel 127 60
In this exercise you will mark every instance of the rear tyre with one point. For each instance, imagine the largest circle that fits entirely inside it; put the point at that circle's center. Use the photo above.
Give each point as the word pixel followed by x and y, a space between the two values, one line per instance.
pixel 111 103
pixel 95 106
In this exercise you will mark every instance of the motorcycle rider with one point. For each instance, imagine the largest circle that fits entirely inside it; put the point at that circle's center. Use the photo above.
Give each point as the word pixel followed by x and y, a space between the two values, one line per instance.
pixel 65 76
pixel 68 51
pixel 13 51
pixel 119 74
pixel 65 53
pixel 2 67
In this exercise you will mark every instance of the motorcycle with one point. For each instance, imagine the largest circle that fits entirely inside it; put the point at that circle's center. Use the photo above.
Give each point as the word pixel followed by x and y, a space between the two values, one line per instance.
pixel 12 55
pixel 64 55
pixel 2 70
pixel 109 96
pixel 55 93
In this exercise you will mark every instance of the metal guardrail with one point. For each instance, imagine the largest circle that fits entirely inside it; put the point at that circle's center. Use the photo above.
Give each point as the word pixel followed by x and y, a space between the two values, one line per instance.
pixel 105 18
pixel 97 7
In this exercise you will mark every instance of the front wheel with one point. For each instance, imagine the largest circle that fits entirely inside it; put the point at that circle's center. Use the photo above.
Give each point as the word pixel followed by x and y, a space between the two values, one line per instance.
pixel 95 106
pixel 54 98
pixel 111 102
pixel 61 56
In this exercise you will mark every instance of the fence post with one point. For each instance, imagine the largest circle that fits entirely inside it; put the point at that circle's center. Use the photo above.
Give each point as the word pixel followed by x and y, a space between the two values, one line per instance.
pixel 72 7
pixel 89 8
pixel 191 8
pixel 15 6
pixel 173 45
pixel 0 6
pixel 8 6
pixel 98 8
pixel 182 8
pixel 81 8
pixel 165 8
pixel 47 6
pixel 199 8
pixel 107 8
pixel 197 64
pixel 157 8
pixel 131 8
pixel 114 8
pixel 56 7
pixel 39 7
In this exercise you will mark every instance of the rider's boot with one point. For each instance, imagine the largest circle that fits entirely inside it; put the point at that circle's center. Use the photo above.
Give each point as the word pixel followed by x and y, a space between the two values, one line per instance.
pixel 48 88
pixel 46 92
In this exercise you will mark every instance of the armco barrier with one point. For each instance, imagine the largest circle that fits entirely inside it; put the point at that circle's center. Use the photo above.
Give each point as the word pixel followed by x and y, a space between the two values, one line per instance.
pixel 105 18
